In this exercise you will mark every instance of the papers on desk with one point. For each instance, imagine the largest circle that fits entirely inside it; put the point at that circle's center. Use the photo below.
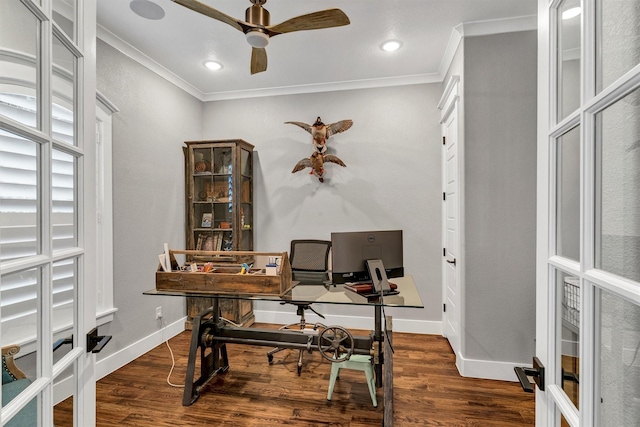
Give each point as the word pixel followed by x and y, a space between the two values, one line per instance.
pixel 389 298
pixel 367 288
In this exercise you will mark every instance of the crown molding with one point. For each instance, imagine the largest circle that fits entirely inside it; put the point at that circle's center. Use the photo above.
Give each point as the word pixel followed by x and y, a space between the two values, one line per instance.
pixel 467 29
pixel 451 86
pixel 483 28
pixel 325 87
pixel 452 46
pixel 499 26
pixel 133 53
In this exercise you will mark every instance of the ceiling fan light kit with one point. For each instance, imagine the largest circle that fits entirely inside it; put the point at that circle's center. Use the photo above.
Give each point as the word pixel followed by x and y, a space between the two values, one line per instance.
pixel 257 39
pixel 257 28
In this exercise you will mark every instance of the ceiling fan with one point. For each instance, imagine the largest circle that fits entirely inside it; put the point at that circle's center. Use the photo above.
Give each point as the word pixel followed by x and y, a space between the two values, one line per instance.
pixel 258 31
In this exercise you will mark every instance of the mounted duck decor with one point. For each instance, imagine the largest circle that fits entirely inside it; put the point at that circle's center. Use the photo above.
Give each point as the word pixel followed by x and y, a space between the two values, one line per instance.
pixel 320 133
pixel 316 162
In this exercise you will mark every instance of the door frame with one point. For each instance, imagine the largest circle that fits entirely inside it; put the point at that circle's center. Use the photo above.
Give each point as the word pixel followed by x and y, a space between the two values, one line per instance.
pixel 82 45
pixel 449 106
pixel 552 403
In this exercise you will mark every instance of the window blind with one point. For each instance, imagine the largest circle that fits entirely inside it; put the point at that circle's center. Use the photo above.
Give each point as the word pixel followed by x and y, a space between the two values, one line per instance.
pixel 20 210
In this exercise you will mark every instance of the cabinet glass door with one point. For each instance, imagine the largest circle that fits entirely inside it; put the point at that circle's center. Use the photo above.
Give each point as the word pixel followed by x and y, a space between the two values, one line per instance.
pixel 213 198
pixel 246 197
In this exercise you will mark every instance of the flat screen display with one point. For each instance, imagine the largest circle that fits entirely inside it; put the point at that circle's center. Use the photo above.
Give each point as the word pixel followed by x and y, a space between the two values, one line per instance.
pixel 351 249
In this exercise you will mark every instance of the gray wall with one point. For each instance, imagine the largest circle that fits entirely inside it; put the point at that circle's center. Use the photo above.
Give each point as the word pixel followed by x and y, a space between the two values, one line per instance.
pixel 148 187
pixel 392 178
pixel 500 189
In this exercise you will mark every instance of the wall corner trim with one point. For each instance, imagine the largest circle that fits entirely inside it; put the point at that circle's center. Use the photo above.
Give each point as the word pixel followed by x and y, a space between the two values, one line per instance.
pixel 451 85
pixel 483 28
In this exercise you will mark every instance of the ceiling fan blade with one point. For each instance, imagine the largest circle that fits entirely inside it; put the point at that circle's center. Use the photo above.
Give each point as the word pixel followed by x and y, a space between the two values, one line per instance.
pixel 258 60
pixel 206 10
pixel 312 21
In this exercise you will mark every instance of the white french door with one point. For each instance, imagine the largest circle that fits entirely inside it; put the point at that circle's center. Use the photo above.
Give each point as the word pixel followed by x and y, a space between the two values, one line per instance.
pixel 452 310
pixel 47 202
pixel 588 256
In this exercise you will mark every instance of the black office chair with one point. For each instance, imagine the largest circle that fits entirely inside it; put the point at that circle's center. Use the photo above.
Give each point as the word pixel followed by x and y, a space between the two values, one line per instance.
pixel 309 263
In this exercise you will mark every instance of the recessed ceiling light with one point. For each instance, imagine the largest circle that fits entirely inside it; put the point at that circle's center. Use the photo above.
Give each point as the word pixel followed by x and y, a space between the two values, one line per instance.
pixel 147 9
pixel 213 65
pixel 391 45
pixel 571 13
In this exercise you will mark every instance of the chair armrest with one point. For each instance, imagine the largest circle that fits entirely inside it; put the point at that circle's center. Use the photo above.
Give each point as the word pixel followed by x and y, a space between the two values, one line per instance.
pixel 8 364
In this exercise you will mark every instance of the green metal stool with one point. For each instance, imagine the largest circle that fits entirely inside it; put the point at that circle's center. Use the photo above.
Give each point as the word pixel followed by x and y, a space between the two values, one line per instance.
pixel 356 362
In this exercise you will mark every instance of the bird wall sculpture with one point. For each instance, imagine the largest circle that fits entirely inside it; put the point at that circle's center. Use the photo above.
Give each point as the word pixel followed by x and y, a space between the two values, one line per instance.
pixel 316 162
pixel 320 132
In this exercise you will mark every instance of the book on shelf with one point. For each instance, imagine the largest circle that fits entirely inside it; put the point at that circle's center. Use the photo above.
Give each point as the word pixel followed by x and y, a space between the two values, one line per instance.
pixel 210 242
pixel 207 218
pixel 207 245
pixel 218 242
pixel 214 245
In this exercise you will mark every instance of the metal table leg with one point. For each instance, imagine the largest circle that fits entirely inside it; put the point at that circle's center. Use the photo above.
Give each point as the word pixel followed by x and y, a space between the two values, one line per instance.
pixel 379 347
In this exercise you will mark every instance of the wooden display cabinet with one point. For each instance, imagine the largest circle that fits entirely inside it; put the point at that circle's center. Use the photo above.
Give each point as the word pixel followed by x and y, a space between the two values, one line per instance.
pixel 219 211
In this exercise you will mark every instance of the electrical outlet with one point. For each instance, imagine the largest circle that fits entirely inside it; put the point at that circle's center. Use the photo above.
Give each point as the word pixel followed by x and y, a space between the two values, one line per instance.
pixel 159 312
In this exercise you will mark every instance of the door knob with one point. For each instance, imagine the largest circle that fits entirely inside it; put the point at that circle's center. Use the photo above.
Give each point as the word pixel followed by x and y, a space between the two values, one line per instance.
pixel 537 372
pixel 452 262
pixel 96 343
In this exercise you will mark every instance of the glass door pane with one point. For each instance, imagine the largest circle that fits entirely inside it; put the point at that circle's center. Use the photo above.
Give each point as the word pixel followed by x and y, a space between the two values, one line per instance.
pixel 618 211
pixel 19 60
pixel 64 200
pixel 63 82
pixel 568 339
pixel 20 299
pixel 64 15
pixel 20 209
pixel 568 195
pixel 223 199
pixel 618 39
pixel 568 55
pixel 618 396
pixel 246 206
pixel 65 284
pixel 65 277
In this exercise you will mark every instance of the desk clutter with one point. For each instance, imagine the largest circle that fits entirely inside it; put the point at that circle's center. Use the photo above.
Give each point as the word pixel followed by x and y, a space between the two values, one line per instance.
pixel 223 278
pixel 365 288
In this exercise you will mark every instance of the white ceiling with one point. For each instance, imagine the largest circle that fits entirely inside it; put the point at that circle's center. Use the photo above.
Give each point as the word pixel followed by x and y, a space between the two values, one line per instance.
pixel 350 56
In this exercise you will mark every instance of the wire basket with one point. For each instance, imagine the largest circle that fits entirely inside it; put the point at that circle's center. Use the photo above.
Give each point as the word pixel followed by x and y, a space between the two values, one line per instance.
pixel 571 301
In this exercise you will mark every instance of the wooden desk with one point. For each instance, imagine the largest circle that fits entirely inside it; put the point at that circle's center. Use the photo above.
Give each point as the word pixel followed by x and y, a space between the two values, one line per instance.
pixel 211 332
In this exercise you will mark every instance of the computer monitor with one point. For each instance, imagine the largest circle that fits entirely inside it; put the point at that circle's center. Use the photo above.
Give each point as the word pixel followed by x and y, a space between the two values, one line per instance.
pixel 351 249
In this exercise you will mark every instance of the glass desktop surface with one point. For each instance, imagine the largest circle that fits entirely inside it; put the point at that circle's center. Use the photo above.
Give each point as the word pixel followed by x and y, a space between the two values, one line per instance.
pixel 316 287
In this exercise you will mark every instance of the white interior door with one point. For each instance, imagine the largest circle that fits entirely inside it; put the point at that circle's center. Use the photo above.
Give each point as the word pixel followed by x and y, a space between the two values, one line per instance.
pixel 47 203
pixel 452 314
pixel 588 274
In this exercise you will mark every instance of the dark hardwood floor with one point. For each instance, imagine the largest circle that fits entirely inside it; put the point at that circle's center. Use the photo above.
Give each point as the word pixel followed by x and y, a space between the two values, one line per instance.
pixel 428 391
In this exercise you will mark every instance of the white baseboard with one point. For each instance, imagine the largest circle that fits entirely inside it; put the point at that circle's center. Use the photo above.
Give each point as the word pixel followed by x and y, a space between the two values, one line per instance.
pixel 486 369
pixel 64 388
pixel 354 322
pixel 117 360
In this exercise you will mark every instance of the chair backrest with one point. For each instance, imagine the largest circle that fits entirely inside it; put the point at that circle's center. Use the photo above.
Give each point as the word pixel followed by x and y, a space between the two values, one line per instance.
pixel 309 255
